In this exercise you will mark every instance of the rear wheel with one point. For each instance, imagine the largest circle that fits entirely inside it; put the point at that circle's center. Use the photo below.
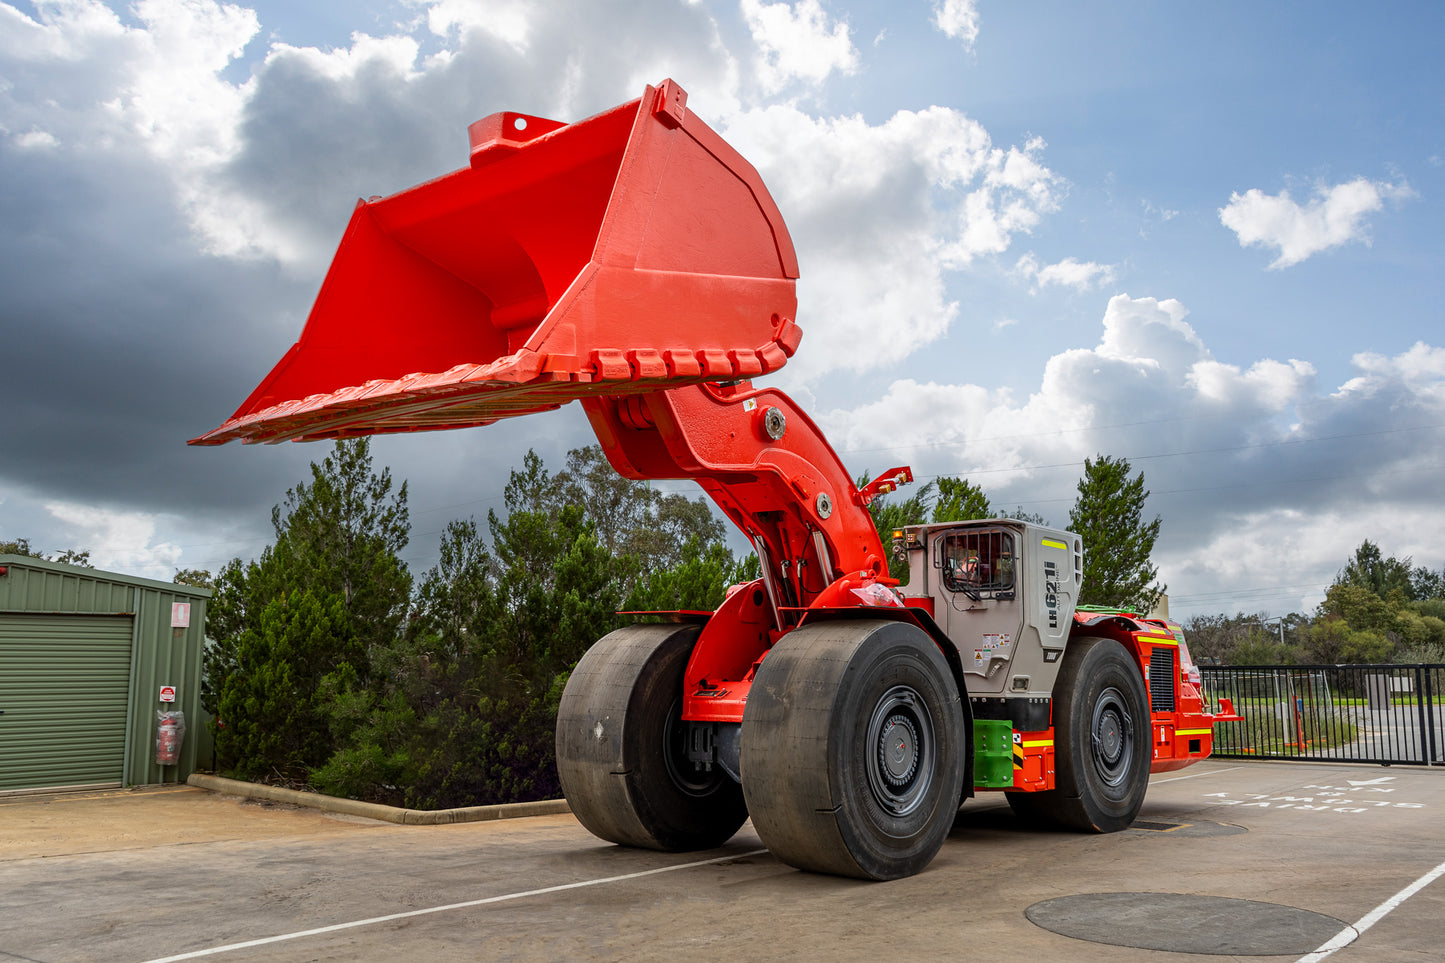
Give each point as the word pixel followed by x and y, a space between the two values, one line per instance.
pixel 621 747
pixel 852 749
pixel 1101 742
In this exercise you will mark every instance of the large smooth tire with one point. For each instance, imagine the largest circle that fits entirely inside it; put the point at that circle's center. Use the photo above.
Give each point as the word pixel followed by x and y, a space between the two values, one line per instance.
pixel 1101 742
pixel 621 747
pixel 853 749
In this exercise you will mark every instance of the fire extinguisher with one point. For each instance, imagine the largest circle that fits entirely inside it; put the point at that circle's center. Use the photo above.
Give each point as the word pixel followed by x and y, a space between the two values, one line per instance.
pixel 170 730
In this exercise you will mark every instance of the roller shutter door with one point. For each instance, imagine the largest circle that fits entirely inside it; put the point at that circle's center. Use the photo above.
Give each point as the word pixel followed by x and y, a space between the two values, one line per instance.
pixel 64 684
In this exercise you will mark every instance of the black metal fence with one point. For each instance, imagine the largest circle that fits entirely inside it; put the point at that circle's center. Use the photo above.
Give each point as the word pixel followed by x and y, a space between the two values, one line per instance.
pixel 1335 713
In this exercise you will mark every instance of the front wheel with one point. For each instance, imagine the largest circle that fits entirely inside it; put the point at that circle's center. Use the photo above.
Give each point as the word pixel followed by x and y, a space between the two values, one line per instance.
pixel 1101 739
pixel 621 747
pixel 853 749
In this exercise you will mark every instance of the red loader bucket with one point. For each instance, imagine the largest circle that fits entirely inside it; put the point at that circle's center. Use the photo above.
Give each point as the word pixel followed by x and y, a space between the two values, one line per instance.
pixel 629 252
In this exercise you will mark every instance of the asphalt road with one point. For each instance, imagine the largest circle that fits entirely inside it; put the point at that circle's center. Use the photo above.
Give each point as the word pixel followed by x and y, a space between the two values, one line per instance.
pixel 1229 860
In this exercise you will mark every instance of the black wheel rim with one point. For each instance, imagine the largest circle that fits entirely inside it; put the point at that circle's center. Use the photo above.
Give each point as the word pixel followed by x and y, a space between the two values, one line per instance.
pixel 1111 737
pixel 685 775
pixel 901 751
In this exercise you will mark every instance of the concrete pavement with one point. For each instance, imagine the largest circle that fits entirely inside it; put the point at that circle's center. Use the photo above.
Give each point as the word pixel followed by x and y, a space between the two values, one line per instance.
pixel 1303 844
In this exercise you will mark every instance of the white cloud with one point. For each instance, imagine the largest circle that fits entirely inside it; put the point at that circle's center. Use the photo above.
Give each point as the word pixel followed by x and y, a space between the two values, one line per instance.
pixel 1152 334
pixel 266 160
pixel 507 20
pixel 1334 216
pixel 118 541
pixel 95 84
pixel 365 117
pixel 394 55
pixel 798 42
pixel 374 116
pixel 1146 350
pixel 880 213
pixel 1163 213
pixel 957 19
pixel 1281 559
pixel 1246 462
pixel 1266 385
pixel 157 82
pixel 176 99
pixel 1069 273
pixel 35 139
pixel 62 32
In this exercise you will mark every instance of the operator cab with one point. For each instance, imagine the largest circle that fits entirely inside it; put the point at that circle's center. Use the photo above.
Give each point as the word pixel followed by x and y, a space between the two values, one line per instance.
pixel 1003 590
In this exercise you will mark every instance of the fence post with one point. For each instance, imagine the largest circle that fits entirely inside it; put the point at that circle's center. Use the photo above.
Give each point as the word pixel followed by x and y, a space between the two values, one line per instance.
pixel 1426 705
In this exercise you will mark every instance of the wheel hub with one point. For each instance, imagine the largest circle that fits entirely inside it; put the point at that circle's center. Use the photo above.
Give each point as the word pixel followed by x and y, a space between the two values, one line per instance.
pixel 901 759
pixel 1111 737
pixel 898 750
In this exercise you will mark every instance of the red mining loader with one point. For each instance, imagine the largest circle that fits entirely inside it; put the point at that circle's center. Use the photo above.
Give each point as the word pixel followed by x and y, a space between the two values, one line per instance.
pixel 635 262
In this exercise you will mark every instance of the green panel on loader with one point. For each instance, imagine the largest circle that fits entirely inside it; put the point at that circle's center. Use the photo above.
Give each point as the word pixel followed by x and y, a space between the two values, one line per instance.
pixel 993 753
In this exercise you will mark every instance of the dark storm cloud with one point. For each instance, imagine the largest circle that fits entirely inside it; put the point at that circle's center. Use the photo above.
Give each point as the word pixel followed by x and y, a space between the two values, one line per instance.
pixel 120 340
pixel 120 337
pixel 315 136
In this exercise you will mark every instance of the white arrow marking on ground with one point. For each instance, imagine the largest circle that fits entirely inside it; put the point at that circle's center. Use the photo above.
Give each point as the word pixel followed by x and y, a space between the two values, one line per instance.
pixel 1368 782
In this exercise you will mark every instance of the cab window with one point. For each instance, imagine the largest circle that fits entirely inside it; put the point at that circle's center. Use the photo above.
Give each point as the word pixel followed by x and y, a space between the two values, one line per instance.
pixel 978 563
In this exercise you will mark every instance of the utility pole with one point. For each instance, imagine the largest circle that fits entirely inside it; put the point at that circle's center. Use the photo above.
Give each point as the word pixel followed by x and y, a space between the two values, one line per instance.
pixel 1265 622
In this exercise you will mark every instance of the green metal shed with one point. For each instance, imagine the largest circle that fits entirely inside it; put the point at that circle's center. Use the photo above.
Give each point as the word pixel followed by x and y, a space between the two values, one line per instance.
pixel 86 658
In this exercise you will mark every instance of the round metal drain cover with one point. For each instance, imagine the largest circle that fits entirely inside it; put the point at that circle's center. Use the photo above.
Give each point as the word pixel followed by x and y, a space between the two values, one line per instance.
pixel 1186 924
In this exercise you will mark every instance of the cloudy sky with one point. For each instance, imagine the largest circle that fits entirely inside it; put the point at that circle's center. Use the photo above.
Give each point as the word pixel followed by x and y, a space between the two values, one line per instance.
pixel 1205 237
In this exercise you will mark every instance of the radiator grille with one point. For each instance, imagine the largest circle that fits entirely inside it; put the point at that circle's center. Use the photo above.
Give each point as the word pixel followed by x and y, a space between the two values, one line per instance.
pixel 1162 680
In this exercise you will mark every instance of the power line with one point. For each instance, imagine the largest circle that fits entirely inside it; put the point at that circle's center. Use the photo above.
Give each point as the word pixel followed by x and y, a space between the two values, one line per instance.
pixel 1276 483
pixel 1132 458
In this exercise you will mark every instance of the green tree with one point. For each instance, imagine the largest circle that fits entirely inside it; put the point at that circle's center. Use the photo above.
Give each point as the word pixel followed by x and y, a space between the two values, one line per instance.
pixel 343 534
pixel 19 546
pixel 337 544
pixel 1379 608
pixel 1430 607
pixel 630 517
pixel 1371 571
pixel 69 556
pixel 1257 647
pixel 199 577
pixel 1243 639
pixel 227 616
pixel 457 704
pixel 463 708
pixel 697 583
pixel 1332 640
pixel 413 737
pixel 274 725
pixel 1425 584
pixel 1109 515
pixel 1354 625
pixel 959 500
pixel 1212 636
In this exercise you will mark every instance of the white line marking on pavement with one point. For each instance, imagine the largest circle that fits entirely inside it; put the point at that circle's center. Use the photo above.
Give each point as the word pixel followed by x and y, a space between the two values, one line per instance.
pixel 196 954
pixel 1349 934
pixel 1192 775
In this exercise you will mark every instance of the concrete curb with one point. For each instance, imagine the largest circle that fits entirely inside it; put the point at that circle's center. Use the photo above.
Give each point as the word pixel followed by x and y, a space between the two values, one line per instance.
pixel 391 814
